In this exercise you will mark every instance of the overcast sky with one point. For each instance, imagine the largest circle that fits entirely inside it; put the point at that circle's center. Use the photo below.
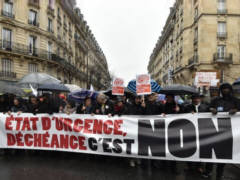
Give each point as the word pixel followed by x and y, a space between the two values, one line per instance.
pixel 126 30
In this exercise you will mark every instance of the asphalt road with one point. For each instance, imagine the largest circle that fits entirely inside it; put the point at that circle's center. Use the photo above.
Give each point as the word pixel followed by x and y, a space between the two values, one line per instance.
pixel 69 166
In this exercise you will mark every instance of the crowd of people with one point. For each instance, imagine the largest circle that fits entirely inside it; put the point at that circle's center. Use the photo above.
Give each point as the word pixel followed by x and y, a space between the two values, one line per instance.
pixel 225 102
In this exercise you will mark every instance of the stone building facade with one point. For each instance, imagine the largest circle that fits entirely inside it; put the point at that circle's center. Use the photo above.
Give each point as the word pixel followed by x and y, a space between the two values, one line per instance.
pixel 50 36
pixel 199 36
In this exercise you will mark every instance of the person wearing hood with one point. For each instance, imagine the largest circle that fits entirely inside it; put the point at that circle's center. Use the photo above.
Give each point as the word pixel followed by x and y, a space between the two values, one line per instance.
pixel 226 102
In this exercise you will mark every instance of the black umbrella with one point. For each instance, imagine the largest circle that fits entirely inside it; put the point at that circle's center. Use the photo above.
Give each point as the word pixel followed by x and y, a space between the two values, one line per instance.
pixel 178 89
pixel 237 82
pixel 53 87
pixel 11 89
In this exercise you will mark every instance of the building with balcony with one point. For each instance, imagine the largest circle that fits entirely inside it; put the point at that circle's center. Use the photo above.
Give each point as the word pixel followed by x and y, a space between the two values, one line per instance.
pixel 199 36
pixel 50 36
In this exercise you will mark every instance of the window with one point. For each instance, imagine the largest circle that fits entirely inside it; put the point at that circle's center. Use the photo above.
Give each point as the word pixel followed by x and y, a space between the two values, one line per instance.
pixel 49 50
pixel 51 4
pixel 64 19
pixel 6 65
pixel 222 5
pixel 8 9
pixel 196 13
pixel 32 68
pixel 222 27
pixel 50 25
pixel 33 18
pixel 196 34
pixel 32 45
pixel 6 38
pixel 59 12
pixel 221 51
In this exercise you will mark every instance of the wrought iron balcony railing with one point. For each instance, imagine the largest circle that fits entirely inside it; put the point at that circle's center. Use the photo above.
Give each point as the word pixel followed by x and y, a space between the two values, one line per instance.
pixel 8 14
pixel 222 34
pixel 7 74
pixel 220 58
pixel 34 3
pixel 33 22
pixel 222 11
pixel 193 60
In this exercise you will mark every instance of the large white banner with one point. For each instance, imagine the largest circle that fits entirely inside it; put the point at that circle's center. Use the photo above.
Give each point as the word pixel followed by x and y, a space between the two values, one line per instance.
pixel 182 137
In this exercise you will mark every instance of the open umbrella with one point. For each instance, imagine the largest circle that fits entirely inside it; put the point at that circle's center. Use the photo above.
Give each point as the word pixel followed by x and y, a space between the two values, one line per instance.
pixel 39 79
pixel 237 82
pixel 80 95
pixel 154 86
pixel 53 87
pixel 11 89
pixel 178 89
pixel 72 87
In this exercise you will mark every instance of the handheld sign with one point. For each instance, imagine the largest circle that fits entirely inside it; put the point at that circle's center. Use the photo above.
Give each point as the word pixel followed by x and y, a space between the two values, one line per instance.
pixel 118 87
pixel 143 84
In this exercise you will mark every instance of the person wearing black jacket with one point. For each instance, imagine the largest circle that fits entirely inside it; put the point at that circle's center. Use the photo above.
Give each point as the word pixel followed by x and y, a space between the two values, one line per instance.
pixel 3 104
pixel 197 106
pixel 103 106
pixel 152 107
pixel 226 102
pixel 171 107
pixel 136 107
pixel 33 105
pixel 45 105
pixel 18 106
pixel 86 107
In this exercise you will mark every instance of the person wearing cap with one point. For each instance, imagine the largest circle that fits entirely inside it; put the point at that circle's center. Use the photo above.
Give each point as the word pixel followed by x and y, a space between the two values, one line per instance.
pixel 226 102
pixel 197 106
pixel 86 107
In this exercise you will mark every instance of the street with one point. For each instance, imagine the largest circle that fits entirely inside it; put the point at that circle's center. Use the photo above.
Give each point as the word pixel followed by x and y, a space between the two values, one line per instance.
pixel 57 165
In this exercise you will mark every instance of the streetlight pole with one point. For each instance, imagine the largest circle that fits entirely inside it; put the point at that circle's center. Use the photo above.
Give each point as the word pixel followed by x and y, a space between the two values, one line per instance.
pixel 87 69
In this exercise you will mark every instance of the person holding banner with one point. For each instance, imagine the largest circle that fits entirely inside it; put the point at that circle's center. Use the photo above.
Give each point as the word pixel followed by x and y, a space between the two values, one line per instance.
pixel 197 106
pixel 119 107
pixel 136 108
pixel 86 107
pixel 152 107
pixel 171 107
pixel 226 102
pixel 103 106
pixel 18 106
